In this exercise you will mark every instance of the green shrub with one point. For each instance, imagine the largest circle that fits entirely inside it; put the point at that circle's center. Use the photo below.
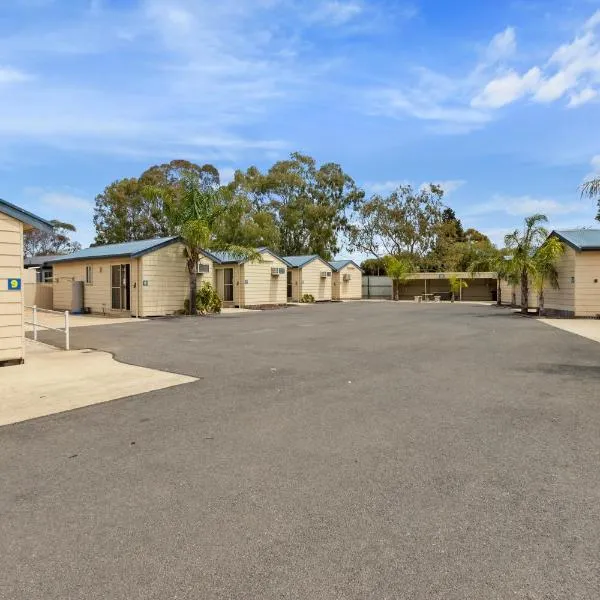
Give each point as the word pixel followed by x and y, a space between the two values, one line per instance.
pixel 207 300
pixel 307 299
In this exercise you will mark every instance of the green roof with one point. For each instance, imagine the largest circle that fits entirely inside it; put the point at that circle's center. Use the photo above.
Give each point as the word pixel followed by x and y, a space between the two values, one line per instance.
pixel 222 257
pixel 126 249
pixel 338 265
pixel 20 214
pixel 300 261
pixel 579 239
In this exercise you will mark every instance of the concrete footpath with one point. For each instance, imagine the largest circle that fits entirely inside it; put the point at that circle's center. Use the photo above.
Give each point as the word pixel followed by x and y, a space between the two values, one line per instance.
pixel 52 381
pixel 587 328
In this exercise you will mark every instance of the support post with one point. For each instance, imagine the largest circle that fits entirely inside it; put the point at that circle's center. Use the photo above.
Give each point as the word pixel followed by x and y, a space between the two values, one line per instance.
pixel 460 290
pixel 35 328
pixel 67 334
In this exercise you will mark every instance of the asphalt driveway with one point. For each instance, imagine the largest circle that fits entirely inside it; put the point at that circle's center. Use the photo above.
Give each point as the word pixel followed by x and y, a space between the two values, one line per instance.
pixel 340 451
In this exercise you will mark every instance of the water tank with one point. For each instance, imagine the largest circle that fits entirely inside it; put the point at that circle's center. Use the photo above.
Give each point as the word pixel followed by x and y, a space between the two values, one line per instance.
pixel 77 297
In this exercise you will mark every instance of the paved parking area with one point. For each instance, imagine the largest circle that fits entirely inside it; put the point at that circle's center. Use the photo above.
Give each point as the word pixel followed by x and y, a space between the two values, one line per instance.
pixel 349 451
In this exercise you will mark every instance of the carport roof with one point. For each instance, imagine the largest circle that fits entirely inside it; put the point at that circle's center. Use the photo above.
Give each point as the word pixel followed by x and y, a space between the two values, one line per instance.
pixel 40 260
pixel 338 265
pixel 580 239
pixel 20 214
pixel 126 249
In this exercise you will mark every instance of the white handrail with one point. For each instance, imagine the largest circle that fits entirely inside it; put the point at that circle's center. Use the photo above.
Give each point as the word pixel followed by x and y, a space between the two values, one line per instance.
pixel 36 324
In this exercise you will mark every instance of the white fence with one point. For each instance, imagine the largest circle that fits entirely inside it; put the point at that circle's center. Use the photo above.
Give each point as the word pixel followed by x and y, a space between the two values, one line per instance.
pixel 35 322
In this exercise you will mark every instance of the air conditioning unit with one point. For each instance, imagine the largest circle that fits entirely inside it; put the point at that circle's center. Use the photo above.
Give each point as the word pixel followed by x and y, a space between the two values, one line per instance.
pixel 347 277
pixel 325 274
pixel 202 268
pixel 276 271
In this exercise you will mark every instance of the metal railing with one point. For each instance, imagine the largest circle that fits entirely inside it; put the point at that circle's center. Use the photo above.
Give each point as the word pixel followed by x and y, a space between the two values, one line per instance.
pixel 36 324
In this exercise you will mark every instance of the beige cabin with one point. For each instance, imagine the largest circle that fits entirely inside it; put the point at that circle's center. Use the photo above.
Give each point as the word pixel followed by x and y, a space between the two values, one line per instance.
pixel 578 269
pixel 346 281
pixel 309 275
pixel 144 278
pixel 14 221
pixel 250 283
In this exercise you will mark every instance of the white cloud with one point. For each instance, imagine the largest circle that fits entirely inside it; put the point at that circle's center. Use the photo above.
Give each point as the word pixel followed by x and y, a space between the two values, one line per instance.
pixel 417 103
pixel 386 187
pixel 445 101
pixel 593 21
pixel 579 98
pixel 503 45
pixel 56 201
pixel 507 89
pixel 521 206
pixel 450 185
pixel 573 68
pixel 12 75
pixel 337 12
pixel 198 72
pixel 595 172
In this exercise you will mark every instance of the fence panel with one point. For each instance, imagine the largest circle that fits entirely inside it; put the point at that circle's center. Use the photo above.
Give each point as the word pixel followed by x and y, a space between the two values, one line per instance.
pixel 376 287
pixel 39 294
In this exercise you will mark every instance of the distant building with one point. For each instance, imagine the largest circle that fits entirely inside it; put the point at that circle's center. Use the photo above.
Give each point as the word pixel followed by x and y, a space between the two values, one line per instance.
pixel 44 270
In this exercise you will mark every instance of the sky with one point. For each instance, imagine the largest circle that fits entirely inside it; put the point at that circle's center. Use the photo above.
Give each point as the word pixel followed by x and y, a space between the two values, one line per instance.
pixel 496 101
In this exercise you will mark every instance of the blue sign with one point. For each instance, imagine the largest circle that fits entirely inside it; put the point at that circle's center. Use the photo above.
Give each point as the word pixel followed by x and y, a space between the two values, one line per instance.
pixel 14 285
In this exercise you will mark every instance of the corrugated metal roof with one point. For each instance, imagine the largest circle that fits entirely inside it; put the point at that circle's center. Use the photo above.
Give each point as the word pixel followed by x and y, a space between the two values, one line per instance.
pixel 300 261
pixel 131 249
pixel 24 216
pixel 224 257
pixel 338 265
pixel 580 239
pixel 38 261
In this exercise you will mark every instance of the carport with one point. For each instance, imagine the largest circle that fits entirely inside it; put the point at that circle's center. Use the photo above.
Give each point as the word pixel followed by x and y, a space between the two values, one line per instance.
pixel 14 221
pixel 481 286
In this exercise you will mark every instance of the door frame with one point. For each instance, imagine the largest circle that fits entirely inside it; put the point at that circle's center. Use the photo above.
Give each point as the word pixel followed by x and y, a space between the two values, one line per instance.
pixel 226 271
pixel 124 288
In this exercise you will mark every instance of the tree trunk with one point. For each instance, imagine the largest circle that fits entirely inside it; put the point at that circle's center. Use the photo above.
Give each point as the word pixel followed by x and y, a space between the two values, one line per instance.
pixel 498 292
pixel 524 293
pixel 193 286
pixel 541 303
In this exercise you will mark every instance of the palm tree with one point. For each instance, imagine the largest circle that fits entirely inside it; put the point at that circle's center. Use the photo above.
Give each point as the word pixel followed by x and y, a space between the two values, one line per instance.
pixel 456 285
pixel 522 247
pixel 591 189
pixel 397 269
pixel 545 267
pixel 192 211
pixel 493 260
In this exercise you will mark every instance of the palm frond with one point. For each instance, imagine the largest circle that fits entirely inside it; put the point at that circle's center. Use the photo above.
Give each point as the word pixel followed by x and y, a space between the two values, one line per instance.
pixel 591 188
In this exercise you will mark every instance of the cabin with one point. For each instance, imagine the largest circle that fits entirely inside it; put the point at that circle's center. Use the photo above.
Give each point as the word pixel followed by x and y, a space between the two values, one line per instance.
pixel 14 222
pixel 144 278
pixel 244 283
pixel 578 294
pixel 308 275
pixel 346 281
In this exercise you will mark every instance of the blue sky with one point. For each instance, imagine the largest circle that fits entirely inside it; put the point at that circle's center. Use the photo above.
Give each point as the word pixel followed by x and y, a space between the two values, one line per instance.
pixel 498 101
